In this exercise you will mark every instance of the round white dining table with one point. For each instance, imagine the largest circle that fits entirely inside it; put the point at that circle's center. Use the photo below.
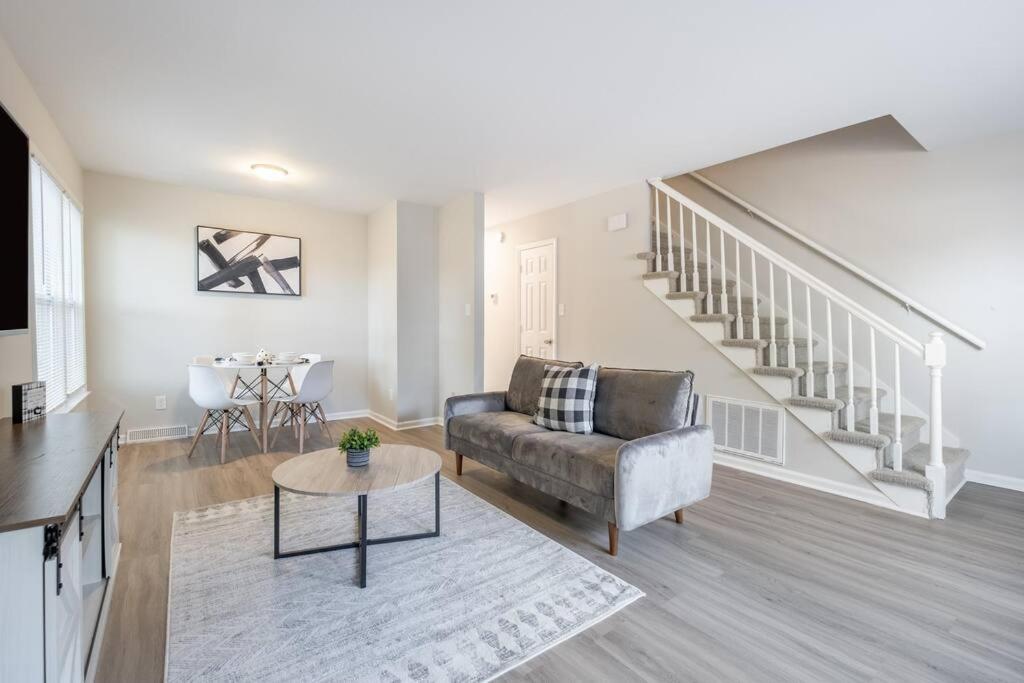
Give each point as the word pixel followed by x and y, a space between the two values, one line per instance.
pixel 263 388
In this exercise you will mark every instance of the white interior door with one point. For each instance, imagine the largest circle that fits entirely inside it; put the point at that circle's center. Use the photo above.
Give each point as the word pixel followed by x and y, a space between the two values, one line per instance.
pixel 537 301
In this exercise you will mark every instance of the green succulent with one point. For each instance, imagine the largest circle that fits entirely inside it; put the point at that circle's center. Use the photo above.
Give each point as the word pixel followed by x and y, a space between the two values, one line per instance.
pixel 355 440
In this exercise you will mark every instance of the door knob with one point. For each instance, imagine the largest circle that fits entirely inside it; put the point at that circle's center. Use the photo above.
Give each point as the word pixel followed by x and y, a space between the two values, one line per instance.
pixel 549 341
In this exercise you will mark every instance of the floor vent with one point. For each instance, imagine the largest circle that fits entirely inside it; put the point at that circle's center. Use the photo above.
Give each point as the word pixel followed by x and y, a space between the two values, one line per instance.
pixel 157 433
pixel 748 429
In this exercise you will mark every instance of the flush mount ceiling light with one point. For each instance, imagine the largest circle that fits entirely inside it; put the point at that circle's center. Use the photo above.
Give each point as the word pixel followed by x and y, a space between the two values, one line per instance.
pixel 269 171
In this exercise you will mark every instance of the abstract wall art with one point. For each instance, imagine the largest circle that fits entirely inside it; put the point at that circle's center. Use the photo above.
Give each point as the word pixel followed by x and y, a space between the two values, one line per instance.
pixel 248 262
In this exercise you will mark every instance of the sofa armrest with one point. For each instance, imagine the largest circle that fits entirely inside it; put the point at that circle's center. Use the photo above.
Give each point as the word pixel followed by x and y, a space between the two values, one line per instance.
pixel 468 404
pixel 658 474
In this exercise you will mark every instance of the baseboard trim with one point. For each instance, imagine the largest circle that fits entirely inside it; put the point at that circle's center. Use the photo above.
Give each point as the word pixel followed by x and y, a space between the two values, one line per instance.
pixel 808 480
pixel 1000 480
pixel 407 424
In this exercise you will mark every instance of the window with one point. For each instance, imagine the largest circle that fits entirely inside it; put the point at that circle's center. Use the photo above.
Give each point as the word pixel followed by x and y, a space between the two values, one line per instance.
pixel 59 295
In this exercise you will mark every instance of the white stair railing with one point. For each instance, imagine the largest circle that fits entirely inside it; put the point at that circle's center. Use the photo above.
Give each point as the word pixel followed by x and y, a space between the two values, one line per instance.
pixel 931 354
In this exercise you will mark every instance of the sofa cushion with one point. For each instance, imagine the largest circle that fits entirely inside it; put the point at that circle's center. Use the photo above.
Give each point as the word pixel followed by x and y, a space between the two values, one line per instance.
pixel 586 460
pixel 634 403
pixel 524 387
pixel 493 431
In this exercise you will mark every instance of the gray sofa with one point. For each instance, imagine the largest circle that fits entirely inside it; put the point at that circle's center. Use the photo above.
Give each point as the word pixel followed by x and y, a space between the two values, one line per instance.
pixel 644 460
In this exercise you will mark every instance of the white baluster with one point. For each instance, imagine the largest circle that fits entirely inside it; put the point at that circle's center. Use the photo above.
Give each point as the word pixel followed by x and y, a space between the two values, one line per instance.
pixel 935 359
pixel 897 413
pixel 851 420
pixel 657 232
pixel 830 377
pixel 709 302
pixel 723 300
pixel 755 321
pixel 739 294
pixel 683 284
pixel 668 228
pixel 693 253
pixel 791 348
pixel 809 376
pixel 773 351
pixel 873 411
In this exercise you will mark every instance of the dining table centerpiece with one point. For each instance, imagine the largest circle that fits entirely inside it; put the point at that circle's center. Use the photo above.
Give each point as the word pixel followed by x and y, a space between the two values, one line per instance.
pixel 357 445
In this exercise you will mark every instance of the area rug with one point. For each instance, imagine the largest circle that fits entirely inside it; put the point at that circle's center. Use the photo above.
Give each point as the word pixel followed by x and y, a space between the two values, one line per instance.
pixel 484 597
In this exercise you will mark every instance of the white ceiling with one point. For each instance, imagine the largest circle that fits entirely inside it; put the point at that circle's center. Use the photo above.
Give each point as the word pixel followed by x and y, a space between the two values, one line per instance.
pixel 533 103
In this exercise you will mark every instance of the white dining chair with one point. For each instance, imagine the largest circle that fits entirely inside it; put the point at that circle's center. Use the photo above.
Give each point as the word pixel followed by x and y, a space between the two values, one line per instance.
pixel 316 385
pixel 299 372
pixel 207 389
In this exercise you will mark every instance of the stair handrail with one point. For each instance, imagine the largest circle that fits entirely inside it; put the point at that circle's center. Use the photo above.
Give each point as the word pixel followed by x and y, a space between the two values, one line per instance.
pixel 894 333
pixel 905 300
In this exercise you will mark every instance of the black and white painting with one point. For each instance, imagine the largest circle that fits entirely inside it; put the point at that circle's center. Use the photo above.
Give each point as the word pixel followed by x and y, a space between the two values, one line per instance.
pixel 248 262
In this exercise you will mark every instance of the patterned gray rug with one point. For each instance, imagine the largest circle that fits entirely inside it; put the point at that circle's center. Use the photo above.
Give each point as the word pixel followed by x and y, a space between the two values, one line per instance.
pixel 484 597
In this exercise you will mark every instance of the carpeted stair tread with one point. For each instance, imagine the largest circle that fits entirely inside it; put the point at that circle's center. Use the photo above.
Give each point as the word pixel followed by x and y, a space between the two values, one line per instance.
pixel 916 458
pixel 699 296
pixel 815 402
pixel 858 438
pixel 769 371
pixel 712 318
pixel 904 478
pixel 887 424
pixel 666 274
pixel 745 343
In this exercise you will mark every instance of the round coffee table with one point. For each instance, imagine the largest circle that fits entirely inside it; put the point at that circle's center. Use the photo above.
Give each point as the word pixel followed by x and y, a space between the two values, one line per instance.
pixel 325 473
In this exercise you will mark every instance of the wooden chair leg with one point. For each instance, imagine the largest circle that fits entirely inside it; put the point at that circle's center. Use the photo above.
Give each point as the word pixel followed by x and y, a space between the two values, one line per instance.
pixel 613 539
pixel 302 427
pixel 252 427
pixel 224 426
pixel 679 516
pixel 323 416
pixel 458 464
pixel 199 432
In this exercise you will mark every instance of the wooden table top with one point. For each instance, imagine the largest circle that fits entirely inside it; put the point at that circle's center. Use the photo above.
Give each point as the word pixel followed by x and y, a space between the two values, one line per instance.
pixel 325 473
pixel 45 464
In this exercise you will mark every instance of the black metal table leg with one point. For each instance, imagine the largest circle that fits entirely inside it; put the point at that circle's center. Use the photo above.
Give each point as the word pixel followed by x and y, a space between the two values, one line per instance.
pixel 277 522
pixel 362 541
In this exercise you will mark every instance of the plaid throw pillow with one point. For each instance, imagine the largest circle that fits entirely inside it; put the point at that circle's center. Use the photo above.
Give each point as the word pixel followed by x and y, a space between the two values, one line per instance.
pixel 567 399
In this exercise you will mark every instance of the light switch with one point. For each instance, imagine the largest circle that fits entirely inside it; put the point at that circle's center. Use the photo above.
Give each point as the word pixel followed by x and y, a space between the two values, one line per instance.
pixel 469 310
pixel 561 309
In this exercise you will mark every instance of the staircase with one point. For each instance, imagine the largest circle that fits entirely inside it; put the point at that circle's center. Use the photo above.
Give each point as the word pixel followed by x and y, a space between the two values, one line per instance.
pixel 818 352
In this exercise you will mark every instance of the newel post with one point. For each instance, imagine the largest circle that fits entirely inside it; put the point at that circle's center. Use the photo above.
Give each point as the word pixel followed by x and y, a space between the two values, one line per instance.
pixel 935 359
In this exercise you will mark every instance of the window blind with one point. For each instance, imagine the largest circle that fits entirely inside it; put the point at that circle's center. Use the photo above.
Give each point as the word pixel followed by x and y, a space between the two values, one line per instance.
pixel 59 289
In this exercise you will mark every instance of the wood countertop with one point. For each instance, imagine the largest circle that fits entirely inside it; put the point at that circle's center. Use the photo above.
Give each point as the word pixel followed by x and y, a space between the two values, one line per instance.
pixel 45 465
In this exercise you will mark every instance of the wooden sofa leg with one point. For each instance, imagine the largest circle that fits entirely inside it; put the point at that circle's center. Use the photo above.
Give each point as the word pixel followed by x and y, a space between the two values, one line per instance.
pixel 458 464
pixel 613 539
pixel 679 516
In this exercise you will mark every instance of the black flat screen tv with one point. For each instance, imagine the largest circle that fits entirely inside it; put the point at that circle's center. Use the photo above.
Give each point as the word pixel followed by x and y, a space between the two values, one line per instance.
pixel 14 226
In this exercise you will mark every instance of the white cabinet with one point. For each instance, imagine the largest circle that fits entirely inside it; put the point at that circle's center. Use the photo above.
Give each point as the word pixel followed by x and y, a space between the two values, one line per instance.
pixel 56 568
pixel 62 591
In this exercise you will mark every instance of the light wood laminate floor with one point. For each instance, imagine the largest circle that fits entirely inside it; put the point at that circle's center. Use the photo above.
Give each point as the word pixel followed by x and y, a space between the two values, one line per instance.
pixel 764 581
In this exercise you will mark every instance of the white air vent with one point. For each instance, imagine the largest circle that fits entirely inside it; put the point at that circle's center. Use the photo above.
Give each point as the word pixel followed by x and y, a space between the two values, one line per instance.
pixel 157 433
pixel 746 428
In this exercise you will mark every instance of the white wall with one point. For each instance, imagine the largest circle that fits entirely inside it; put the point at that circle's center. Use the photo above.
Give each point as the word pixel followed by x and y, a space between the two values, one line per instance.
pixel 382 311
pixel 460 285
pixel 417 312
pixel 611 318
pixel 145 320
pixel 943 226
pixel 46 142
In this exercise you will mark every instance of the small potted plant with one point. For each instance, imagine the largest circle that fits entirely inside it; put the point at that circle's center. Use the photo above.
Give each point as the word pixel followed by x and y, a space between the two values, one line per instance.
pixel 357 445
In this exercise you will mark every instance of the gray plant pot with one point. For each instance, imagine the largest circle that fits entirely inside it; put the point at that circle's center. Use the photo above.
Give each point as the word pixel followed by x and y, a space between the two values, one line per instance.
pixel 357 458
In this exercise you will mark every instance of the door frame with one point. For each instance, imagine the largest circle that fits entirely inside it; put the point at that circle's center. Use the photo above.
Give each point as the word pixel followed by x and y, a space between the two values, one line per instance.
pixel 520 248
